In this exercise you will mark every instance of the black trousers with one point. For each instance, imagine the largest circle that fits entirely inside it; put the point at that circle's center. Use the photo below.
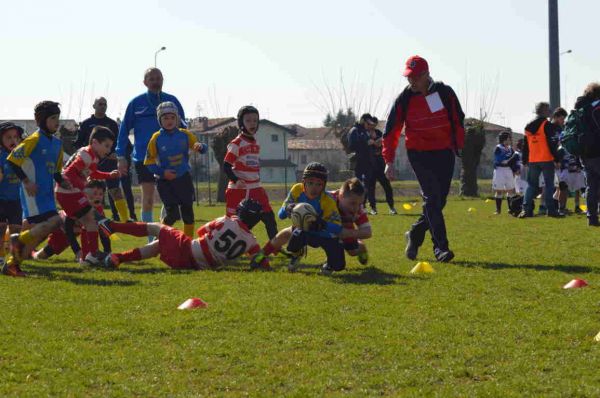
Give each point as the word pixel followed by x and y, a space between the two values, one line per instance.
pixel 378 175
pixel 434 170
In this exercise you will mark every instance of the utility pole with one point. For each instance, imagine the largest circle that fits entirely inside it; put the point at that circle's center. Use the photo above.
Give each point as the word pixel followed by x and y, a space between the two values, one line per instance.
pixel 554 55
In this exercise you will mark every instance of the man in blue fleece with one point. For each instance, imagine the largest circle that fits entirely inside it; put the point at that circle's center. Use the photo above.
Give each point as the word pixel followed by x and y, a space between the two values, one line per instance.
pixel 141 117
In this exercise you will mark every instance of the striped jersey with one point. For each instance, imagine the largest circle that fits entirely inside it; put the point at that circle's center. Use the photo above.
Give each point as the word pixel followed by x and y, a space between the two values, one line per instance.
pixel 349 220
pixel 222 240
pixel 83 164
pixel 243 155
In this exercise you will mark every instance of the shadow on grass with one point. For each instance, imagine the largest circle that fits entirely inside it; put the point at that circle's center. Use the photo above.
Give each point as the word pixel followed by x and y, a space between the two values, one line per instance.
pixel 368 276
pixel 569 269
pixel 49 273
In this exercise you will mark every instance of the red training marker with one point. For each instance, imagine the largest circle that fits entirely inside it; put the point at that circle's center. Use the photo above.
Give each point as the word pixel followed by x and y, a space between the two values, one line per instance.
pixel 575 283
pixel 192 303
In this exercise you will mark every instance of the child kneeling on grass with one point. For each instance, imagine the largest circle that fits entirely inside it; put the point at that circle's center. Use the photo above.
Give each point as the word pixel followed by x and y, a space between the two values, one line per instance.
pixel 324 232
pixel 219 241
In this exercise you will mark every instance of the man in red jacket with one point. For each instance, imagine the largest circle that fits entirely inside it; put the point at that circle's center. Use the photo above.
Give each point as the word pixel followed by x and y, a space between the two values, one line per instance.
pixel 432 119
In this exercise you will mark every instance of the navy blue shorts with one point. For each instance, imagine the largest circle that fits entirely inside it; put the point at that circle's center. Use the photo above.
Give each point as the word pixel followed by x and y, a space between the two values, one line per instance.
pixel 333 248
pixel 179 191
pixel 11 212
pixel 143 174
pixel 40 218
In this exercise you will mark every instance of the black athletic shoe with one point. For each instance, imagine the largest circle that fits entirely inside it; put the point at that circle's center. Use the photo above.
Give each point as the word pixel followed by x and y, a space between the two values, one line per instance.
pixel 411 250
pixel 443 256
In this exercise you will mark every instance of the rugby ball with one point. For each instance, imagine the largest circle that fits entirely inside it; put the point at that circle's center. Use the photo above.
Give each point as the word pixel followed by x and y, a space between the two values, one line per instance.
pixel 303 215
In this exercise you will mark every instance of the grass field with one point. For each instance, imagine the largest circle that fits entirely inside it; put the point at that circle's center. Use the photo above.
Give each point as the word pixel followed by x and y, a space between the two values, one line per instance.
pixel 495 322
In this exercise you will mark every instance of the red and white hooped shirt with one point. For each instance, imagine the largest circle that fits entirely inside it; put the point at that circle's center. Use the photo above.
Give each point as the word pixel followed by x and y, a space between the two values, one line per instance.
pixel 360 219
pixel 81 165
pixel 222 240
pixel 243 154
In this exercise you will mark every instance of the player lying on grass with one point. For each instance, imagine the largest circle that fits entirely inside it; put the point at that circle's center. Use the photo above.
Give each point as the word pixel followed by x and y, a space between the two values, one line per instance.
pixel 61 237
pixel 219 241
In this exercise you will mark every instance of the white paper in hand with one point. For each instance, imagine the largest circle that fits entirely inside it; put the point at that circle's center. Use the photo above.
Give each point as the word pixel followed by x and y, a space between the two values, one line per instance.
pixel 435 102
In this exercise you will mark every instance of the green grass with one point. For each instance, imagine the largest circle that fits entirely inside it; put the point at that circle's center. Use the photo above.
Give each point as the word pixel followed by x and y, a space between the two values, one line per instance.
pixel 496 322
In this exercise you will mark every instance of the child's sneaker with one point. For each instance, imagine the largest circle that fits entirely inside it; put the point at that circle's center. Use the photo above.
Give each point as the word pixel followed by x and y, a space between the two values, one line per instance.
pixel 12 268
pixel 294 262
pixel 373 212
pixel 92 259
pixel 326 270
pixel 111 261
pixel 363 258
pixel 393 212
pixel 16 247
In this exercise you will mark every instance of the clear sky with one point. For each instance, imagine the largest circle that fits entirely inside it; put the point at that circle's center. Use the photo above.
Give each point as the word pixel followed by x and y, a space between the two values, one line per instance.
pixel 284 57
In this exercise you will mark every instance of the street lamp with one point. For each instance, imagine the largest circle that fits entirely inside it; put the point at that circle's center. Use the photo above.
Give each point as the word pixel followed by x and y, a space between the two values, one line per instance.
pixel 163 48
pixel 566 52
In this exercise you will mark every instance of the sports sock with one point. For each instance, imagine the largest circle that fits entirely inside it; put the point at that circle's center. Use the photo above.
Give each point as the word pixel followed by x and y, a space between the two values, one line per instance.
pixel 26 237
pixel 269 249
pixel 498 205
pixel 129 255
pixel 92 242
pixel 130 228
pixel 122 209
pixel 148 217
pixel 188 230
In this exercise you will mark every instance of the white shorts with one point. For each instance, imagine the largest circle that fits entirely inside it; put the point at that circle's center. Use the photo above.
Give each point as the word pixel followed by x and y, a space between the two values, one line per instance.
pixel 543 182
pixel 520 185
pixel 575 181
pixel 503 179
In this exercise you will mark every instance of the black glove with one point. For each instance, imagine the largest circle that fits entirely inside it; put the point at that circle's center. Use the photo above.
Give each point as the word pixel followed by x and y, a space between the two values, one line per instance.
pixel 318 225
pixel 289 208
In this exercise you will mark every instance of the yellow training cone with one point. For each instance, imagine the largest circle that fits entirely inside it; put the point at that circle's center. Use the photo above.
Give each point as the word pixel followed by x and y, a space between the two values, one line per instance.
pixel 406 206
pixel 114 237
pixel 487 201
pixel 471 210
pixel 597 338
pixel 583 207
pixel 422 267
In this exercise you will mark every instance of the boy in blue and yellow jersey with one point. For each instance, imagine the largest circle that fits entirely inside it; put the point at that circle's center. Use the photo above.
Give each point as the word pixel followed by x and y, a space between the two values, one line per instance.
pixel 10 203
pixel 323 233
pixel 167 157
pixel 37 162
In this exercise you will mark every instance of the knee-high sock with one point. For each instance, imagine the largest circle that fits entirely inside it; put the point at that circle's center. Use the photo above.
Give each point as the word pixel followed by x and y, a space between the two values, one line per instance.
pixel 130 228
pixel 89 243
pixel 148 217
pixel 122 209
pixel 188 230
pixel 129 255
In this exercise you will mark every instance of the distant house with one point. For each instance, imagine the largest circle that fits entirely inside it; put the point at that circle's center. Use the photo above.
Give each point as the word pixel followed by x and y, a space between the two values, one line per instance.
pixel 272 138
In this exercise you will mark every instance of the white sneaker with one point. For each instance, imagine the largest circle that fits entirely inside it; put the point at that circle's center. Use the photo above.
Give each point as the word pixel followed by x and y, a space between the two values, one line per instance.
pixel 90 259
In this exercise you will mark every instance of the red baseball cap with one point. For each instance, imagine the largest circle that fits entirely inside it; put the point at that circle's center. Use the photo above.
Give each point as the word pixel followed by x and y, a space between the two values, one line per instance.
pixel 415 65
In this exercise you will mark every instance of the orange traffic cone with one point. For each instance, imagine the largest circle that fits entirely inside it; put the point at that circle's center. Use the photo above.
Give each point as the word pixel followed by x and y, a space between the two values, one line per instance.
pixel 192 303
pixel 575 283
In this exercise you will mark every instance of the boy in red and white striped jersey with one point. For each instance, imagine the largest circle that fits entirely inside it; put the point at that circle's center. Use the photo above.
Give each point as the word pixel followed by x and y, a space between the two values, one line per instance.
pixel 242 166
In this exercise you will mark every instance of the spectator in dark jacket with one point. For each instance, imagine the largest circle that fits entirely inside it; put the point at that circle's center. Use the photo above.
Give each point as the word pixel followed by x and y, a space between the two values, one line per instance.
pixel 378 170
pixel 432 119
pixel 359 142
pixel 591 152
pixel 540 154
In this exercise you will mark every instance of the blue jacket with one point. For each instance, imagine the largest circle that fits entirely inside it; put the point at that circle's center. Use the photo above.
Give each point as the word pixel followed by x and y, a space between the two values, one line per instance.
pixel 169 150
pixel 141 117
pixel 9 186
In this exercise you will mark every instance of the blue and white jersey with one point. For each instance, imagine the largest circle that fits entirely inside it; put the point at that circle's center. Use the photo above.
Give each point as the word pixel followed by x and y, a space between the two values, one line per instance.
pixel 502 154
pixel 569 162
pixel 40 156
pixel 9 186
